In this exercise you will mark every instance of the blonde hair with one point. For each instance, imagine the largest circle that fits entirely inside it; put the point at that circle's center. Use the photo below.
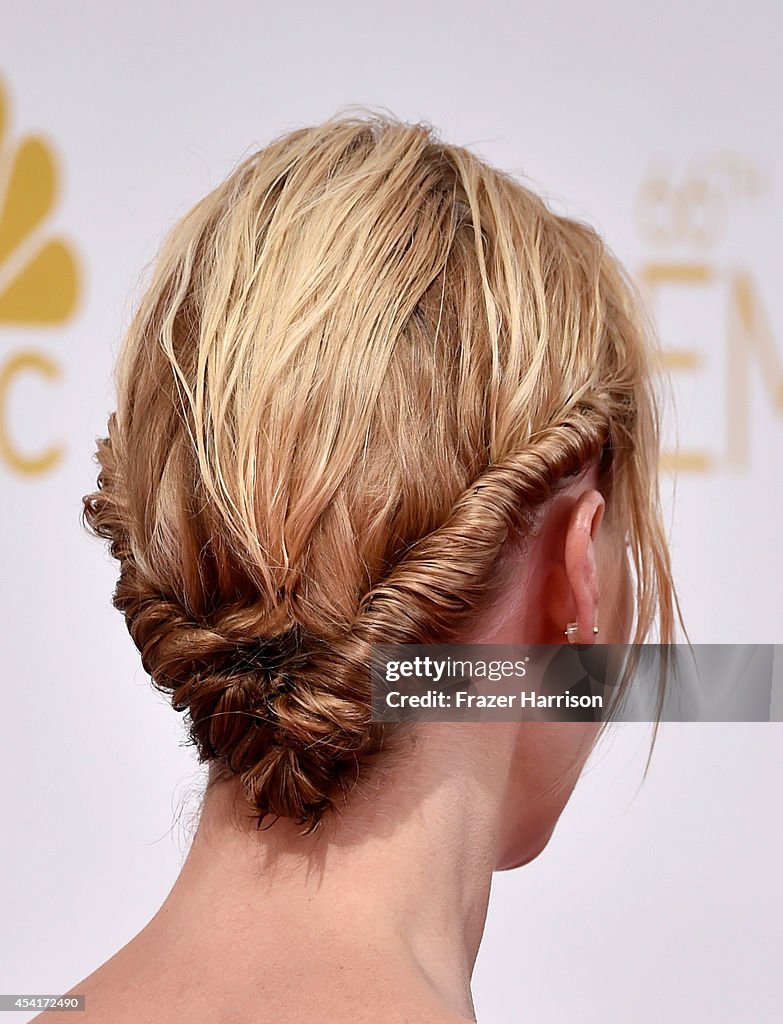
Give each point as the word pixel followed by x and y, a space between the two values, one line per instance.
pixel 362 363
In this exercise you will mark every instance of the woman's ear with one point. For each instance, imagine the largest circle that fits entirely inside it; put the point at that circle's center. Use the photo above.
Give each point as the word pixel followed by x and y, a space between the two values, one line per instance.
pixel 581 564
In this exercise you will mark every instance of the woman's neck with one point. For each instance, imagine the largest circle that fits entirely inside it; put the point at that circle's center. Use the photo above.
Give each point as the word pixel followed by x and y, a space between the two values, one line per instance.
pixel 384 906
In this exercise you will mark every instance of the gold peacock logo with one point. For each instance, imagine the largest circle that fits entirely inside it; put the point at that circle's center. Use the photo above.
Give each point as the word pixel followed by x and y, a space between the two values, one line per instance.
pixel 39 279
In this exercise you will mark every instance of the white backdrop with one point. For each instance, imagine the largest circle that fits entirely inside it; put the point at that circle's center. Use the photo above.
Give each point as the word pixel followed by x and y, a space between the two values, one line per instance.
pixel 655 902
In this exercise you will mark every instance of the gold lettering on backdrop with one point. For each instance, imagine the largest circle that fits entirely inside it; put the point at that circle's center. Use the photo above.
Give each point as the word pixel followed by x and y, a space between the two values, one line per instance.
pixel 749 339
pixel 694 212
pixel 39 282
pixel 655 276
pixel 25 362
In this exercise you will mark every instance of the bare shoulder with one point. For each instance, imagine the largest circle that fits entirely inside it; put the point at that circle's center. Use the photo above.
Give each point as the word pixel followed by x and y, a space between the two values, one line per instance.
pixel 99 1012
pixel 183 983
pixel 111 998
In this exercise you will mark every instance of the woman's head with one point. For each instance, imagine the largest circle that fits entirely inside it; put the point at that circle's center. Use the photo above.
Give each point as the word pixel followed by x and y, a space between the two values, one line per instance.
pixel 363 366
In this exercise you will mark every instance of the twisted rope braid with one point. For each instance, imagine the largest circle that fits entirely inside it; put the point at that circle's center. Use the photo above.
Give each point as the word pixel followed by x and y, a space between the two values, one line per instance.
pixel 289 713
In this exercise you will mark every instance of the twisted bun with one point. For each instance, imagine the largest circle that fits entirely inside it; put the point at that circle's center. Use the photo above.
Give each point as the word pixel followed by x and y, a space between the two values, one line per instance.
pixel 363 362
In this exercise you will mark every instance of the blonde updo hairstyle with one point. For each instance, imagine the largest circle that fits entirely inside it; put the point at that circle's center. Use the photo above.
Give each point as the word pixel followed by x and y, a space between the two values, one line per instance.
pixel 360 366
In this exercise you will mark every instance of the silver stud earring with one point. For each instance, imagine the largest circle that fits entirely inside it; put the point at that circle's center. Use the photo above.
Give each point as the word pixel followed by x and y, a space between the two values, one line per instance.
pixel 572 632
